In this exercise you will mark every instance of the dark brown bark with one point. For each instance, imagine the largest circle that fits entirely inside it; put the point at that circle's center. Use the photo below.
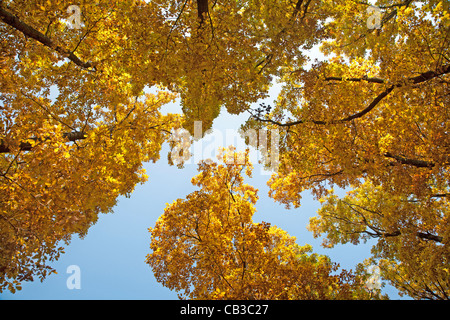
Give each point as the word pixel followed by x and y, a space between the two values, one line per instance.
pixel 202 10
pixel 421 235
pixel 414 80
pixel 412 162
pixel 26 146
pixel 30 32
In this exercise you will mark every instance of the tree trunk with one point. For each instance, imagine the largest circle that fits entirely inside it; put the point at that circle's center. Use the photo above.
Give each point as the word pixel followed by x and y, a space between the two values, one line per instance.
pixel 202 10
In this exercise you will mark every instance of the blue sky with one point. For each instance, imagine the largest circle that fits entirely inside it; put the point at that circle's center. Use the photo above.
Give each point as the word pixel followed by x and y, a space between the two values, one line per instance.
pixel 111 257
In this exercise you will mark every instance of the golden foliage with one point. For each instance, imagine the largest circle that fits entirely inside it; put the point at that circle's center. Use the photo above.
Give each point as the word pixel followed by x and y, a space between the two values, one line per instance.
pixel 207 246
pixel 374 118
pixel 74 135
pixel 76 125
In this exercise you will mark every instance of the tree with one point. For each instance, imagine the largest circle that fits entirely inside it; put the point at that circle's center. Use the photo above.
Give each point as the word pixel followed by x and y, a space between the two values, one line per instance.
pixel 76 128
pixel 58 189
pixel 374 118
pixel 207 246
pixel 411 250
pixel 226 54
pixel 73 95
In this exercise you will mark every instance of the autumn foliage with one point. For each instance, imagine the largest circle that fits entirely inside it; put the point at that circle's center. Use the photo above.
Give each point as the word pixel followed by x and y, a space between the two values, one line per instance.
pixel 73 136
pixel 80 113
pixel 375 119
pixel 208 247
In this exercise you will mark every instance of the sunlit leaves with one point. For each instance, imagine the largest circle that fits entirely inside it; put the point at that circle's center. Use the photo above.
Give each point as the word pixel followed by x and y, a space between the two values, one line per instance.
pixel 374 118
pixel 76 125
pixel 206 246
pixel 87 130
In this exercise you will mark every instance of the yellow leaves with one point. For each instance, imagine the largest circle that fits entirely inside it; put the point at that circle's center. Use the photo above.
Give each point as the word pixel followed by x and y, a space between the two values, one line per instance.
pixel 385 143
pixel 408 11
pixel 63 153
pixel 32 142
pixel 377 153
pixel 372 212
pixel 210 239
pixel 230 64
pixel 63 184
pixel 438 7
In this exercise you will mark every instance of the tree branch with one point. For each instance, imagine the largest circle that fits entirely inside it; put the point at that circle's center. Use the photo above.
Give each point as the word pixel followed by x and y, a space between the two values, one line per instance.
pixel 412 162
pixel 426 76
pixel 365 78
pixel 377 232
pixel 26 146
pixel 429 236
pixel 30 32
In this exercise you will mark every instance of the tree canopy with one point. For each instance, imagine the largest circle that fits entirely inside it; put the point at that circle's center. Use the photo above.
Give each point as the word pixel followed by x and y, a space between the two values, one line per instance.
pixel 81 112
pixel 375 119
pixel 208 247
